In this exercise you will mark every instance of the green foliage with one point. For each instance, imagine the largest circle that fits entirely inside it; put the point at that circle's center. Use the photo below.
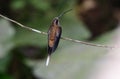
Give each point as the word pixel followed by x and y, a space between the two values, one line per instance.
pixel 70 61
pixel 4 62
pixel 5 76
pixel 40 4
pixel 6 36
pixel 18 4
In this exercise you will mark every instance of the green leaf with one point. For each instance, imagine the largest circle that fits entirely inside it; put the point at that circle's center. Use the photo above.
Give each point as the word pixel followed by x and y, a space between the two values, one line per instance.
pixel 5 76
pixel 6 31
pixel 18 4
pixel 41 4
pixel 4 63
pixel 6 34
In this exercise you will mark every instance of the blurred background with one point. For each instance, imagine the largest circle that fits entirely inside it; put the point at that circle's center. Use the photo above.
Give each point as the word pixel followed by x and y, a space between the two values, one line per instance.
pixel 23 52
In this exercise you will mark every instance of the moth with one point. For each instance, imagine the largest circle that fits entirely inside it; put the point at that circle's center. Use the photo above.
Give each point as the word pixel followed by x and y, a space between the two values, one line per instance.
pixel 54 35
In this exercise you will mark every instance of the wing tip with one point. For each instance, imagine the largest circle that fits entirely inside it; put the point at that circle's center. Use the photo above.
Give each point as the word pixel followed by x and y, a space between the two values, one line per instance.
pixel 47 61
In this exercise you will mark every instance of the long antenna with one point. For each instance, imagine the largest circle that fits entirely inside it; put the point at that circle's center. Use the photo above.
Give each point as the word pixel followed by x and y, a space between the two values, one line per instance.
pixel 64 13
pixel 64 38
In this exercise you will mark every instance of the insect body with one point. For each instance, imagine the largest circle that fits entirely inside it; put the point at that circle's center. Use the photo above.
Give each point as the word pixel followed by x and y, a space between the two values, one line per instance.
pixel 54 34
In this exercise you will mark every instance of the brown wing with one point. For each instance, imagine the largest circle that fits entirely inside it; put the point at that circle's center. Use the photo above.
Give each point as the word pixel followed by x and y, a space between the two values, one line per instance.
pixel 53 38
pixel 57 38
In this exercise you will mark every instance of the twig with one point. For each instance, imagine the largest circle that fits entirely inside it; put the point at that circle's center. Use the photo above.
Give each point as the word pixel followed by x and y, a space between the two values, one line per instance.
pixel 87 43
pixel 64 38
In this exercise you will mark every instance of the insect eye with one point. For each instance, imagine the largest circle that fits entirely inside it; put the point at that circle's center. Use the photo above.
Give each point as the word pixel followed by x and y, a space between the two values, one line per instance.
pixel 56 22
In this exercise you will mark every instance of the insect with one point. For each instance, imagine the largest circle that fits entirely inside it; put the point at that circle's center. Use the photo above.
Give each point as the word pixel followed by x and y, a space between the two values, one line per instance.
pixel 54 34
